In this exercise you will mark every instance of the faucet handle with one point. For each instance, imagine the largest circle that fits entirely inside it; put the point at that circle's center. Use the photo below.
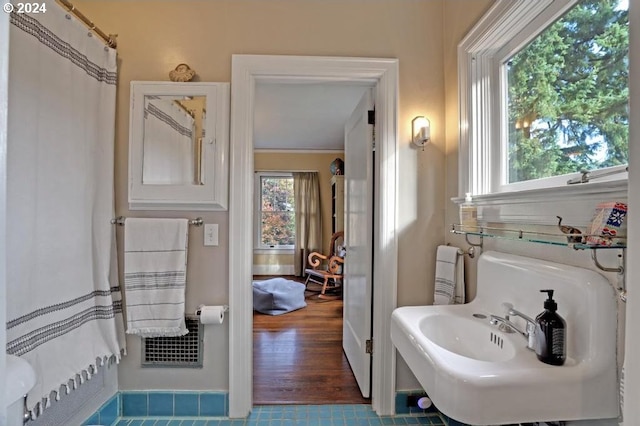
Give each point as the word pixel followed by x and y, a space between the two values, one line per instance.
pixel 507 307
pixel 531 336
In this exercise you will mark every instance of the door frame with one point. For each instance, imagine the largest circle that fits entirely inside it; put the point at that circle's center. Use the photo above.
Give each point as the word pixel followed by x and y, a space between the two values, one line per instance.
pixel 245 71
pixel 4 106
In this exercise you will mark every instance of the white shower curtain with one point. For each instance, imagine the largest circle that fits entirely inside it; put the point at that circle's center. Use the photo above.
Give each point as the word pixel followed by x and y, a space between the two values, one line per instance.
pixel 64 311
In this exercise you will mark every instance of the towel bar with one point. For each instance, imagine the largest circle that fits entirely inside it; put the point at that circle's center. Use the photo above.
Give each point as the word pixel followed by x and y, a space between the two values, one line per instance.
pixel 120 221
pixel 471 251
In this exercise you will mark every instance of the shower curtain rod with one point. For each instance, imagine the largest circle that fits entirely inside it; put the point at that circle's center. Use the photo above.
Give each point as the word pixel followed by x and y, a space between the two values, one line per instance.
pixel 110 39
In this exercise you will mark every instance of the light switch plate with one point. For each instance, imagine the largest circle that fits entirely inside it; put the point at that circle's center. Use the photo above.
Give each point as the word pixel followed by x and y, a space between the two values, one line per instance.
pixel 210 234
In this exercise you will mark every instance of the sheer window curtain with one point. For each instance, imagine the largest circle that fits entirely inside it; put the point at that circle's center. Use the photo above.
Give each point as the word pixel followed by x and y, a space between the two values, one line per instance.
pixel 306 190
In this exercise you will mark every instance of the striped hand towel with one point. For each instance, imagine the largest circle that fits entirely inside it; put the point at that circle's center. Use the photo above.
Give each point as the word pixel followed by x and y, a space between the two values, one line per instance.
pixel 155 268
pixel 449 276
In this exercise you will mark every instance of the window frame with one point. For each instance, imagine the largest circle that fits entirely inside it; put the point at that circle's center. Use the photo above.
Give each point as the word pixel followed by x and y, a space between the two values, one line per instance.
pixel 257 237
pixel 506 28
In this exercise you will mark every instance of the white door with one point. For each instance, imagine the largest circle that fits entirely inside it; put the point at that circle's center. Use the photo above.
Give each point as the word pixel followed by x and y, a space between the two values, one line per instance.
pixel 357 291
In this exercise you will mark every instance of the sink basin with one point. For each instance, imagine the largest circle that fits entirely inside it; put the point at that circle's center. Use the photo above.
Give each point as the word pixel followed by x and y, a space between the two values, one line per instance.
pixel 467 337
pixel 477 374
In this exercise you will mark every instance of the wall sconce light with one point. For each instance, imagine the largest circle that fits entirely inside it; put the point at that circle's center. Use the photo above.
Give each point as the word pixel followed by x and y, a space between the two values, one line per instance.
pixel 420 131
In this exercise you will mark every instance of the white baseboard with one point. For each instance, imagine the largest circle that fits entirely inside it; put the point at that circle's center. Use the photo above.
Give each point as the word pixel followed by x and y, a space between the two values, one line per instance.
pixel 273 270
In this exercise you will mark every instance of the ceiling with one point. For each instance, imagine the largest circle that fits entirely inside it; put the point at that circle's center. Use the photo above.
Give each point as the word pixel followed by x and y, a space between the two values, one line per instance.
pixel 303 115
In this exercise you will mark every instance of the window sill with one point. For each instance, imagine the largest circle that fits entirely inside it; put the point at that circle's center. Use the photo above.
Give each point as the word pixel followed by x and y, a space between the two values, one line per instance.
pixel 574 203
pixel 273 251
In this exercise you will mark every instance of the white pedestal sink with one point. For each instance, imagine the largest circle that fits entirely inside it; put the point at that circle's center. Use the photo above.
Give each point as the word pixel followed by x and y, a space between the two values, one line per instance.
pixel 477 374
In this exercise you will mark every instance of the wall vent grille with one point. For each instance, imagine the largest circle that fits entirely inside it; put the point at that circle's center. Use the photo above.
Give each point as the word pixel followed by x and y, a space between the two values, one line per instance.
pixel 182 351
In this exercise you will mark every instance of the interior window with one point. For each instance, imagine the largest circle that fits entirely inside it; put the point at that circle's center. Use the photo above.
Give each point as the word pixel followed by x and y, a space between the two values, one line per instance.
pixel 276 211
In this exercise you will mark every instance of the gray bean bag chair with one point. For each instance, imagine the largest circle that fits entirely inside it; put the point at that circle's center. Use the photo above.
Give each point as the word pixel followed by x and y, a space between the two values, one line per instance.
pixel 278 296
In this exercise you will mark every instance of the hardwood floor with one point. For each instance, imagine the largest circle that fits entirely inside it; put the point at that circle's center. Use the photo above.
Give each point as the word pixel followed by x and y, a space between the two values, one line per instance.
pixel 298 356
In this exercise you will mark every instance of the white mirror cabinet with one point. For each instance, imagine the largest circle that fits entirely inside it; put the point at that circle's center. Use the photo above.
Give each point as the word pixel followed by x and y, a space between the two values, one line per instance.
pixel 178 146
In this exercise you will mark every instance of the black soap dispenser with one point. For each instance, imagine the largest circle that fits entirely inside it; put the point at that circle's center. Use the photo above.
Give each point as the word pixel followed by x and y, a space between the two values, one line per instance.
pixel 551 331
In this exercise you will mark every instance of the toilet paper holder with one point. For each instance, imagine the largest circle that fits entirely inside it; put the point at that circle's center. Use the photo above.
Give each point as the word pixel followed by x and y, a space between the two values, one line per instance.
pixel 225 308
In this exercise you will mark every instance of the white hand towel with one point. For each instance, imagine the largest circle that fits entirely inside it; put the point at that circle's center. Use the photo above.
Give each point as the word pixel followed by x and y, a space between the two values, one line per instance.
pixel 155 269
pixel 449 287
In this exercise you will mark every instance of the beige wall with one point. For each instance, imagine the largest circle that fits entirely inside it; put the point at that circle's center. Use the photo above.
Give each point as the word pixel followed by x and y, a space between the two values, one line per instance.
pixel 155 36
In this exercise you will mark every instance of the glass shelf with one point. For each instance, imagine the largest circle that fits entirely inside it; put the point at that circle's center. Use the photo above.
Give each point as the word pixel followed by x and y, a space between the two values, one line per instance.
pixel 575 241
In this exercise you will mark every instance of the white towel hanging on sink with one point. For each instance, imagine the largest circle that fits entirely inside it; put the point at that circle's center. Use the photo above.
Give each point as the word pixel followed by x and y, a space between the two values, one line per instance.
pixel 449 288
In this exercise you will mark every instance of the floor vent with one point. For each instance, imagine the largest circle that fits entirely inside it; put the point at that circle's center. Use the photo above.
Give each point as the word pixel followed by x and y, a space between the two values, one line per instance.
pixel 183 351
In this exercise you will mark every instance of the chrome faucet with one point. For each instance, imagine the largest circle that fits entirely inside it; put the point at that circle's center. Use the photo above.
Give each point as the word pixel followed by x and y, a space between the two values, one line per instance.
pixel 504 324
pixel 530 330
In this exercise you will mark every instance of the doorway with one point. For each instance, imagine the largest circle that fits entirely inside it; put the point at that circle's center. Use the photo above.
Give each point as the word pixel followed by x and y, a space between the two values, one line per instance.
pixel 246 71
pixel 299 132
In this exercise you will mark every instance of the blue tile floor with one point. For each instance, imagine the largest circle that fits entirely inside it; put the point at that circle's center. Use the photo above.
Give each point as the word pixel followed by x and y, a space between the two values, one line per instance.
pixel 295 415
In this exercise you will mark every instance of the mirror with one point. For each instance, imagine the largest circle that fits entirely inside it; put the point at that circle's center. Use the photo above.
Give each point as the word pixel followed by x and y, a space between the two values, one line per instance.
pixel 172 140
pixel 178 144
